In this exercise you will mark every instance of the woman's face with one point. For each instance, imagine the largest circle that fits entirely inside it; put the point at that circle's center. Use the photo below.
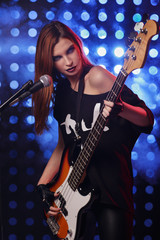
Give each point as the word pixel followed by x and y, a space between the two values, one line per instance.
pixel 67 59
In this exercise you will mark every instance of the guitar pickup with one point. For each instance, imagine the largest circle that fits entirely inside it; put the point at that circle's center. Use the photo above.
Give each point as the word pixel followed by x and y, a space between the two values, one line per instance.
pixel 62 205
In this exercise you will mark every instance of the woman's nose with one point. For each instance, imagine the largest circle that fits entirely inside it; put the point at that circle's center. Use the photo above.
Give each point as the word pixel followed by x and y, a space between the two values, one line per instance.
pixel 68 61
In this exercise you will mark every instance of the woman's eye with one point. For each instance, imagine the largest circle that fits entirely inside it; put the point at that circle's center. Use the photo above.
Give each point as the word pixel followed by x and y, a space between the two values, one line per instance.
pixel 56 58
pixel 71 49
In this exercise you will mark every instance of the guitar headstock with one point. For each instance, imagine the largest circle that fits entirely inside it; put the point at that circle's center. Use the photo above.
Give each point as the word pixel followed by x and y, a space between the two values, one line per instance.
pixel 136 54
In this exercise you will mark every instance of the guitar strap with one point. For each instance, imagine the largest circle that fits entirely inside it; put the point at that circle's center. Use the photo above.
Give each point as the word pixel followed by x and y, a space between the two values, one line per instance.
pixel 79 98
pixel 76 144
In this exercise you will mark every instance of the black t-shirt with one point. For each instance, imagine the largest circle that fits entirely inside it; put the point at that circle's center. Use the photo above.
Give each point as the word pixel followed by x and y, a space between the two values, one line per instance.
pixel 110 169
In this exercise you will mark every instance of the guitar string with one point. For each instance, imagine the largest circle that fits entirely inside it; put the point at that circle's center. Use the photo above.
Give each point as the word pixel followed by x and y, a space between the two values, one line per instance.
pixel 66 186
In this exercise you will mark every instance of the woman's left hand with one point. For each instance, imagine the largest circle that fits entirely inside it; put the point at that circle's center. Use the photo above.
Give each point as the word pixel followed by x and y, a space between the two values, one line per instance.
pixel 108 108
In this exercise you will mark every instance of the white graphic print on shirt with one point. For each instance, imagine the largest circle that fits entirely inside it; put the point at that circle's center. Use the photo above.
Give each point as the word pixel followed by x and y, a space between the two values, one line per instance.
pixel 70 123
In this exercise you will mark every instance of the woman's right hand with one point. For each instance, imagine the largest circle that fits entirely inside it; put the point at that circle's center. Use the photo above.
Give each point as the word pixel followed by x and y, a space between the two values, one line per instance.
pixel 53 211
pixel 48 198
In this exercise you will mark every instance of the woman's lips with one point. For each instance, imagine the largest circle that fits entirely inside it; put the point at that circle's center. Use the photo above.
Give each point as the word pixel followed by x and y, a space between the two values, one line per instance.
pixel 71 69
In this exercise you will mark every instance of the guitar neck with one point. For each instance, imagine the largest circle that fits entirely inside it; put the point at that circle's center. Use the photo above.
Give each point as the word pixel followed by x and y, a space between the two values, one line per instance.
pixel 94 135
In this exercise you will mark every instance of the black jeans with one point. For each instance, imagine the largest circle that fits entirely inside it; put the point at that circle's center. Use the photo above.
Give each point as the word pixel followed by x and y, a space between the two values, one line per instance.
pixel 113 223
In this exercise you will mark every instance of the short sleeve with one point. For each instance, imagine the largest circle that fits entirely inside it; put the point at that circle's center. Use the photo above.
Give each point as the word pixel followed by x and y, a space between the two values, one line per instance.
pixel 131 98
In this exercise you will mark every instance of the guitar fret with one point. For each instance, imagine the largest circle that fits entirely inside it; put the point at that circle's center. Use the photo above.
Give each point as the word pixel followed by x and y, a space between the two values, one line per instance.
pixel 114 93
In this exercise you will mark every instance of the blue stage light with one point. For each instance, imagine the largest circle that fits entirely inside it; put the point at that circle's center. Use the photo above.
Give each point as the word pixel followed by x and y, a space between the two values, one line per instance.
pixel 30 188
pixel 13 119
pixel 47 154
pixel 85 1
pixel 148 206
pixel 153 70
pixel 32 32
pixel 134 155
pixel 13 187
pixel 101 51
pixel 136 71
pixel 29 237
pixel 120 2
pixel 67 15
pixel 137 2
pixel 154 17
pixel 151 139
pixel 14 49
pixel 12 221
pixel 50 15
pixel 12 237
pixel 117 68
pixel 147 237
pixel 119 52
pixel 14 84
pixel 32 15
pixel 30 154
pixel 150 173
pixel 15 32
pixel 46 237
pixel 134 172
pixel 103 1
pixel 68 1
pixel 30 204
pixel 85 16
pixel 13 171
pixel 102 34
pixel 30 136
pixel 137 17
pixel 29 221
pixel 153 53
pixel 31 67
pixel 154 2
pixel 15 14
pixel 30 119
pixel 86 50
pixel 13 204
pixel 134 189
pixel 84 33
pixel 119 34
pixel 149 189
pixel 102 16
pixel 119 17
pixel 14 67
pixel 148 222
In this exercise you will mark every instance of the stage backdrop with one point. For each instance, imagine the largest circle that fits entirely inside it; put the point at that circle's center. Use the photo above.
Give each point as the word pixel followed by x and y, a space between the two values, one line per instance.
pixel 104 27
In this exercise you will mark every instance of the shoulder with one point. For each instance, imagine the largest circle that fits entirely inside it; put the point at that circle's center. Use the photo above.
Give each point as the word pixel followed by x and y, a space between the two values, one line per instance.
pixel 100 78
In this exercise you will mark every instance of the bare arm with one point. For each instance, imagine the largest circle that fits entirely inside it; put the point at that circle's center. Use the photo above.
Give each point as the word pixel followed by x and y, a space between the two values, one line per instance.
pixel 134 114
pixel 53 164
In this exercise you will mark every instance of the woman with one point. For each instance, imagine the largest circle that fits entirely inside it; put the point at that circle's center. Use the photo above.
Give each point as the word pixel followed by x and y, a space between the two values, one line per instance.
pixel 60 54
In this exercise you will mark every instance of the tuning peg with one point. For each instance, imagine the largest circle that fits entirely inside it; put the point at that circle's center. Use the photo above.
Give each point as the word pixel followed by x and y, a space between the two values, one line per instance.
pixel 138 26
pixel 131 38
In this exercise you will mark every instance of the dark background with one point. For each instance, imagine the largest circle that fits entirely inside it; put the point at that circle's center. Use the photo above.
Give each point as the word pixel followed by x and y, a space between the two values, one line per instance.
pixel 23 155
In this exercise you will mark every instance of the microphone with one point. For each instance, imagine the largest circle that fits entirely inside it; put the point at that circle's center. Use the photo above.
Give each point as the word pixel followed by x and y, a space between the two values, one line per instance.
pixel 44 81
pixel 25 87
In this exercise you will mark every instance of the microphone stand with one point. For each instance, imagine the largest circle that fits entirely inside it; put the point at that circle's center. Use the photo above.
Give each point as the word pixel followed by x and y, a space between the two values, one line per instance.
pixel 24 88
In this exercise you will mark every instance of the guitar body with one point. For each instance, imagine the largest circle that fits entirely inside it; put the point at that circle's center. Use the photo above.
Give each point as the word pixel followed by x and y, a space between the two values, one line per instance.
pixel 66 225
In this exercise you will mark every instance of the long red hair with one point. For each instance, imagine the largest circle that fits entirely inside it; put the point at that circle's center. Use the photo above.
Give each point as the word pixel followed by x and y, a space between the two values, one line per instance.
pixel 48 38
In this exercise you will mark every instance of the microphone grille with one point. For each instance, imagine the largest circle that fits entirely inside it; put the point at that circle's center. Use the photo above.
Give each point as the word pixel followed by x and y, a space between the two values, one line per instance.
pixel 46 80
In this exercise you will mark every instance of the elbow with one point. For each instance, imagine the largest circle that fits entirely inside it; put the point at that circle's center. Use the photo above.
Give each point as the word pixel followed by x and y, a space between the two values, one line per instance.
pixel 149 118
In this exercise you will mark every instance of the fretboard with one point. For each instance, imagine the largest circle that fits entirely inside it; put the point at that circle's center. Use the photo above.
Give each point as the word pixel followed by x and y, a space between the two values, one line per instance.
pixel 94 135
